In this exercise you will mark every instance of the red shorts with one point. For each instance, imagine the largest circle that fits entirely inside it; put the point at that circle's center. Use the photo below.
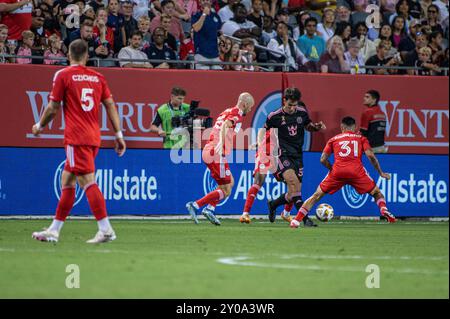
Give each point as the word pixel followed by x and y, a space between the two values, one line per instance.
pixel 218 165
pixel 363 183
pixel 263 165
pixel 80 159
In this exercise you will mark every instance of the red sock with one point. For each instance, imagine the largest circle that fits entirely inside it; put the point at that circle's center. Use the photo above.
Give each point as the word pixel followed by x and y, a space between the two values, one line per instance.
pixel 96 201
pixel 382 205
pixel 65 203
pixel 211 197
pixel 251 195
pixel 288 207
pixel 301 214
pixel 214 204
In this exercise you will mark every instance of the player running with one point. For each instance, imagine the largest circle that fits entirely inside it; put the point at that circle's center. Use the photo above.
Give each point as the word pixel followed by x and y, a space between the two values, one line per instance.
pixel 80 90
pixel 347 170
pixel 214 155
pixel 290 121
pixel 265 162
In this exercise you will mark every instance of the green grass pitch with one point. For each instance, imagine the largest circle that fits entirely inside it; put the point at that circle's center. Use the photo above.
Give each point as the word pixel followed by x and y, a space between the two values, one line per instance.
pixel 177 259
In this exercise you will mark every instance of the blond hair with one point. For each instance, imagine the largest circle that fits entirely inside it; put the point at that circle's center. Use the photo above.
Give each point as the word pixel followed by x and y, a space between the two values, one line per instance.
pixel 332 40
pixel 425 50
pixel 27 34
pixel 3 27
pixel 53 38
pixel 144 19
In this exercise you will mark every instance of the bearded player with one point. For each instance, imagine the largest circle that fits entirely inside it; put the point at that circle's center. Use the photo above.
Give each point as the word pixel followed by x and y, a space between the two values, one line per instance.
pixel 80 90
pixel 347 169
pixel 214 155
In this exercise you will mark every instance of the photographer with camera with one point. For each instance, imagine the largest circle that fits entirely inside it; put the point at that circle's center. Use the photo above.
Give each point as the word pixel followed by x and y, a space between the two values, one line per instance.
pixel 169 113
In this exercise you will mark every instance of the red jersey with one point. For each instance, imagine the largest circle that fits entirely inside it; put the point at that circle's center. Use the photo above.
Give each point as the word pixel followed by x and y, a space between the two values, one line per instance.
pixel 373 124
pixel 18 20
pixel 234 115
pixel 81 90
pixel 348 148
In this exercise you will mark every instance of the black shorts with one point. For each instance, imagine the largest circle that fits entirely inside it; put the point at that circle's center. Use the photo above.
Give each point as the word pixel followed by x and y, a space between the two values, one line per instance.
pixel 284 163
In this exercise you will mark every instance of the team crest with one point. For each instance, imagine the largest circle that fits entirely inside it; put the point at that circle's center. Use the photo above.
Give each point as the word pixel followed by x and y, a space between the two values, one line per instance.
pixel 292 130
pixel 299 120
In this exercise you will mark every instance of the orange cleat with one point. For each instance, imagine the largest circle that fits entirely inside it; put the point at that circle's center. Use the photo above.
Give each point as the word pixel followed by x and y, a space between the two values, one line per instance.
pixel 245 218
pixel 287 218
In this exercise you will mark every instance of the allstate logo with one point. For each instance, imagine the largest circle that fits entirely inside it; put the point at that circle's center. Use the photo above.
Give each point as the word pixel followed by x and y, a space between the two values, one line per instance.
pixel 353 198
pixel 209 184
pixel 269 104
pixel 58 187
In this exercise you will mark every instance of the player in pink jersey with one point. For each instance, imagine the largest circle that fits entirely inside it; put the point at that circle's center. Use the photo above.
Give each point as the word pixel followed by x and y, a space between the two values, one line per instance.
pixel 81 91
pixel 347 169
pixel 214 155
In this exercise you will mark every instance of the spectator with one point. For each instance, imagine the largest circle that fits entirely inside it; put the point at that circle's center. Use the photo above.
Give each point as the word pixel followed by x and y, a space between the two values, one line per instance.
pixel 249 55
pixel 299 30
pixel 333 60
pixel 206 25
pixel 388 6
pixel 287 49
pixel 424 64
pixel 408 43
pixel 159 50
pixel 373 122
pixel 385 33
pixel 354 58
pixel 424 5
pixel 9 46
pixel 270 7
pixel 367 47
pixel 256 16
pixel 190 6
pixel 443 12
pixel 88 13
pixel 398 30
pixel 102 31
pixel 25 48
pixel 402 9
pixel 283 16
pixel 16 15
pixel 129 23
pixel 344 31
pixel 432 19
pixel 391 51
pixel 187 48
pixel 116 23
pixel 168 7
pixel 239 26
pixel 415 9
pixel 359 15
pixel 96 4
pixel 54 51
pixel 227 13
pixel 40 41
pixel 166 22
pixel 380 60
pixel 268 33
pixel 225 45
pixel 144 29
pixel 236 56
pixel 435 44
pixel 132 52
pixel 310 44
pixel 343 14
pixel 327 28
pixel 412 57
pixel 318 6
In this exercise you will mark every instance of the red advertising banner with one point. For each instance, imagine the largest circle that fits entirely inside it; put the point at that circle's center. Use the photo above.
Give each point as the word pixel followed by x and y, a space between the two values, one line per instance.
pixel 417 107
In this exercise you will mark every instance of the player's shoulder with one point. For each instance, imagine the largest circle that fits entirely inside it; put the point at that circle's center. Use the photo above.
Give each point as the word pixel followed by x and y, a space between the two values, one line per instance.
pixel 275 113
pixel 301 109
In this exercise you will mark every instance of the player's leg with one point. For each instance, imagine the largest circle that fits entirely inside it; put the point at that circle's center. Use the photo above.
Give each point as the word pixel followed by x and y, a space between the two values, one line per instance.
pixel 97 205
pixel 286 213
pixel 258 181
pixel 306 207
pixel 65 204
pixel 226 190
pixel 381 203
pixel 293 185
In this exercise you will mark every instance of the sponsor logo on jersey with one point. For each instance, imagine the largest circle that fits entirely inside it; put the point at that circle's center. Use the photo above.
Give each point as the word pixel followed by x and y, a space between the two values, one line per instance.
pixel 292 130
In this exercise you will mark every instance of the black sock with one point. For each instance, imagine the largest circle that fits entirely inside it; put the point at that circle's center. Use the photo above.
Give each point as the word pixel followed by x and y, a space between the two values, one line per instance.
pixel 298 202
pixel 279 201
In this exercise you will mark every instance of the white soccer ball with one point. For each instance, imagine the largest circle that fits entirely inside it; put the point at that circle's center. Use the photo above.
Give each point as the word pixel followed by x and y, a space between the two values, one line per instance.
pixel 324 212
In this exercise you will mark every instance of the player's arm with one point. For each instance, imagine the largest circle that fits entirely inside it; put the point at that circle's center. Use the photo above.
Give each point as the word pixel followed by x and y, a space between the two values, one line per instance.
pixel 314 127
pixel 222 133
pixel 374 161
pixel 115 122
pixel 364 125
pixel 48 115
pixel 8 7
pixel 324 160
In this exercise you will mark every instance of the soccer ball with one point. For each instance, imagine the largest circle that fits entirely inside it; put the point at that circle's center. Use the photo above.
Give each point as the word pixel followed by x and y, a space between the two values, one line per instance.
pixel 324 212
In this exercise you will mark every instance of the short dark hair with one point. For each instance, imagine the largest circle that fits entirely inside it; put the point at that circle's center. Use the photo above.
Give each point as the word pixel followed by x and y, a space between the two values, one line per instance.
pixel 166 2
pixel 78 49
pixel 178 91
pixel 136 32
pixel 237 6
pixel 435 34
pixel 374 94
pixel 310 19
pixel 348 121
pixel 293 94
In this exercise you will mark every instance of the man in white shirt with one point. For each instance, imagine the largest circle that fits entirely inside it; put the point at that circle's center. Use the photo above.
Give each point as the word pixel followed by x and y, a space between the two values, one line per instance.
pixel 226 13
pixel 132 52
pixel 239 26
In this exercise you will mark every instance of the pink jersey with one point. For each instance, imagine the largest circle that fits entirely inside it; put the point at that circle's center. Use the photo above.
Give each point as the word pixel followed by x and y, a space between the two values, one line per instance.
pixel 81 90
pixel 348 148
pixel 234 115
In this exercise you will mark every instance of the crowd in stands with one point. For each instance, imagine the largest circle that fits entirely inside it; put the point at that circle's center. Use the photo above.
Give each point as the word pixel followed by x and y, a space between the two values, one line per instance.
pixel 328 36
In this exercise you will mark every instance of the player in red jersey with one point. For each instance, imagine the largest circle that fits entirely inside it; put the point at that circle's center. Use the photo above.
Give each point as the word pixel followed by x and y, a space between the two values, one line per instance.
pixel 80 90
pixel 347 169
pixel 214 155
pixel 265 162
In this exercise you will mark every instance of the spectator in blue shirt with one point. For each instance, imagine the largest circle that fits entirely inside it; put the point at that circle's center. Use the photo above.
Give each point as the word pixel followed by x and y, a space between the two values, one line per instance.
pixel 159 50
pixel 206 25
pixel 311 45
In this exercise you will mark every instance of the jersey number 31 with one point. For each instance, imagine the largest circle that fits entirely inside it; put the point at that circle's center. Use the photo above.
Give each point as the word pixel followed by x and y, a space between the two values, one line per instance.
pixel 346 150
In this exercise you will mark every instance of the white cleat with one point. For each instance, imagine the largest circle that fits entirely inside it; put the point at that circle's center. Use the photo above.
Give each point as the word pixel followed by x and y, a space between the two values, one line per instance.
pixel 102 237
pixel 294 223
pixel 46 235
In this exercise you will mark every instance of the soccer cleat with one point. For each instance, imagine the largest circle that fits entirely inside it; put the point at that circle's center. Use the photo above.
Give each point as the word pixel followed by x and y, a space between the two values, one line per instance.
pixel 209 214
pixel 245 218
pixel 294 223
pixel 46 235
pixel 308 222
pixel 102 237
pixel 286 217
pixel 272 212
pixel 192 211
pixel 389 216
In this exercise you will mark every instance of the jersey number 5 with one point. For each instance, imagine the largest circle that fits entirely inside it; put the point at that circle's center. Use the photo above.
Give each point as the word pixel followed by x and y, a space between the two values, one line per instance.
pixel 347 150
pixel 87 100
